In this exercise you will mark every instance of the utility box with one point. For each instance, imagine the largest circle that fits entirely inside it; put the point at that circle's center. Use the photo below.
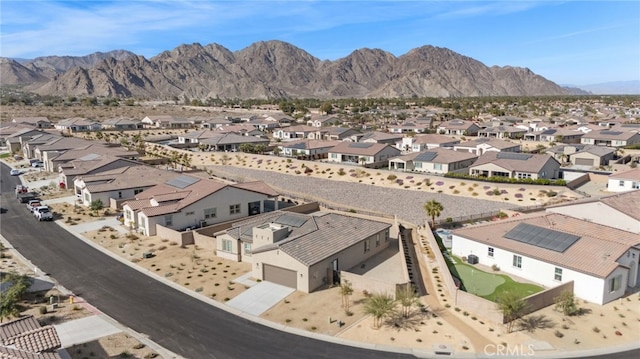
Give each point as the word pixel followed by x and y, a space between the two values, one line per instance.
pixel 472 259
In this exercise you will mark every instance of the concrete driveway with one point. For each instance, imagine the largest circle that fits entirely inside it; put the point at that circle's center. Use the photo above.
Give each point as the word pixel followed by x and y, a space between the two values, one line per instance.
pixel 259 298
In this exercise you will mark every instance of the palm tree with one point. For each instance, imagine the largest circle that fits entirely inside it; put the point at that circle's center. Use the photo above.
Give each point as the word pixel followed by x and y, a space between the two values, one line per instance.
pixel 513 306
pixel 379 306
pixel 433 209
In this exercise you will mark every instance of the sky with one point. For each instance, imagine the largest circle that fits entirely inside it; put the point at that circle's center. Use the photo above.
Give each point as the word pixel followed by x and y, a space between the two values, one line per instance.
pixel 568 42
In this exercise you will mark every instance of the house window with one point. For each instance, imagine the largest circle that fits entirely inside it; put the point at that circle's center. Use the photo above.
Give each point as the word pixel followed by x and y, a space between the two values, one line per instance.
pixel 367 245
pixel 437 166
pixel 614 283
pixel 386 235
pixel 418 165
pixel 558 274
pixel 635 185
pixel 226 245
pixel 621 183
pixel 234 209
pixel 334 155
pixel 189 213
pixel 210 213
pixel 490 251
pixel 136 191
pixel 247 248
pixel 517 261
pixel 86 197
pixel 168 220
pixel 378 240
pixel 119 194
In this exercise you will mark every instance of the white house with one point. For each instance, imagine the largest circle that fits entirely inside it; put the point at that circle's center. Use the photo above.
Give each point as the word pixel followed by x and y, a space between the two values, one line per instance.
pixel 552 248
pixel 190 202
pixel 419 143
pixel 362 153
pixel 624 181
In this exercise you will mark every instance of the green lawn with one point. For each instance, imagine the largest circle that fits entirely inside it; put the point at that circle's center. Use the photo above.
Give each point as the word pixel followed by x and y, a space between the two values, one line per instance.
pixel 489 285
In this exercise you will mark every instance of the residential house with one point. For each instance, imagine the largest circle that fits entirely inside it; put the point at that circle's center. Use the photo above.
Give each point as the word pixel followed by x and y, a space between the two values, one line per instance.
pixel 562 135
pixel 25 338
pixel 191 202
pixel 196 136
pixel 515 165
pixel 30 145
pixel 378 137
pixel 264 123
pixel 88 165
pixel 484 144
pixel 625 181
pixel 56 146
pixel 340 133
pixel 552 248
pixel 214 122
pixel 306 147
pixel 372 154
pixel 54 159
pixel 436 160
pixel 611 138
pixel 299 131
pixel 240 129
pixel 122 124
pixel 231 142
pixel 502 132
pixel 324 121
pixel 582 155
pixel 78 124
pixel 459 127
pixel 302 251
pixel 119 184
pixel 410 127
pixel 168 122
pixel 419 143
pixel 618 210
pixel 13 140
pixel 35 122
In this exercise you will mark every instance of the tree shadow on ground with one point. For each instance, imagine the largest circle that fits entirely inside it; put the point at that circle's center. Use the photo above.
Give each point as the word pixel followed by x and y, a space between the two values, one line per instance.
pixel 533 322
pixel 413 321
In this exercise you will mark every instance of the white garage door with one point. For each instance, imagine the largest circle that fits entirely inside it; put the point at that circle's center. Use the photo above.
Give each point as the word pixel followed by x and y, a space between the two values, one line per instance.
pixel 280 276
pixel 584 161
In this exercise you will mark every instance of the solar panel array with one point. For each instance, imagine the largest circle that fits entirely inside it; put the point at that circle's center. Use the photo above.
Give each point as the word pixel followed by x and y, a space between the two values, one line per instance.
pixel 289 220
pixel 542 237
pixel 611 133
pixel 513 156
pixel 182 181
pixel 360 144
pixel 426 156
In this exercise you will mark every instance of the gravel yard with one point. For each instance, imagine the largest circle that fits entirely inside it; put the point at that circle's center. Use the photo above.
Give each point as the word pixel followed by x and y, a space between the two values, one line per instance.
pixel 406 203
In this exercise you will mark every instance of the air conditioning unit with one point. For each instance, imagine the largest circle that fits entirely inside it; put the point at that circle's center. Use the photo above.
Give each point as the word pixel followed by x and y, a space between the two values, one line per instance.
pixel 472 259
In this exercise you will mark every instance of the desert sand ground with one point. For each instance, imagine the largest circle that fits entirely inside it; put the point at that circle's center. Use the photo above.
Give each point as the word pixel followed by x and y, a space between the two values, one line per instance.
pixel 203 272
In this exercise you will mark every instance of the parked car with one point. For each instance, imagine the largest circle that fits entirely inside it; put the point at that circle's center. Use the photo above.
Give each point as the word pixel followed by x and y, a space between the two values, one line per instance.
pixel 33 204
pixel 37 164
pixel 43 213
pixel 26 197
pixel 15 172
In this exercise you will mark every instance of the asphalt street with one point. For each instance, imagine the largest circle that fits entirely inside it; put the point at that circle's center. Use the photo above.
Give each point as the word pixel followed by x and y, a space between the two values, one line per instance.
pixel 174 320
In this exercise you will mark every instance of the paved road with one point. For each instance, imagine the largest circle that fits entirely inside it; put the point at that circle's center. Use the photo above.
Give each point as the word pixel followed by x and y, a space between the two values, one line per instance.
pixel 178 322
pixel 174 320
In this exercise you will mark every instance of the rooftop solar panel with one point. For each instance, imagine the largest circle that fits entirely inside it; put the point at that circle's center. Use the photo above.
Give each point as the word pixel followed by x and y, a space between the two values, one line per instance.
pixel 426 156
pixel 513 156
pixel 360 144
pixel 542 237
pixel 182 181
pixel 289 220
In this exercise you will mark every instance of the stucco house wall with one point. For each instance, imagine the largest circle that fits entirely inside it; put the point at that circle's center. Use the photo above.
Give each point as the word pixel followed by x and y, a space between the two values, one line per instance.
pixel 587 287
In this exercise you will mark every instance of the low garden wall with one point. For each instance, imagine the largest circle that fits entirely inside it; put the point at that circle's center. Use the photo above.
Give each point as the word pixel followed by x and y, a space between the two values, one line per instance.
pixel 483 307
pixel 183 238
pixel 371 285
pixel 547 297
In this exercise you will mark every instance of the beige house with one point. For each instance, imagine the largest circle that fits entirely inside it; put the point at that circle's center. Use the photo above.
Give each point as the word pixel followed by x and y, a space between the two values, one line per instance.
pixel 583 155
pixel 611 138
pixel 37 122
pixel 515 165
pixel 363 153
pixel 89 164
pixel 459 127
pixel 306 147
pixel 303 251
pixel 436 160
pixel 484 144
pixel 419 143
pixel 191 202
pixel 119 184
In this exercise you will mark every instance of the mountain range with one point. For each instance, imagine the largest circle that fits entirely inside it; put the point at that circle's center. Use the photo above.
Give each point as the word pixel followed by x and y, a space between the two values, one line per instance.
pixel 272 69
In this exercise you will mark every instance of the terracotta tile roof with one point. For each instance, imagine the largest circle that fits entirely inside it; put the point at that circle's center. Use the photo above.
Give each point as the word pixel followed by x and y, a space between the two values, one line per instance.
pixel 493 142
pixel 437 155
pixel 359 148
pixel 381 136
pixel 627 203
pixel 309 144
pixel 257 186
pixel 533 164
pixel 433 139
pixel 611 134
pixel 595 253
pixel 25 338
pixel 135 176
pixel 633 174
